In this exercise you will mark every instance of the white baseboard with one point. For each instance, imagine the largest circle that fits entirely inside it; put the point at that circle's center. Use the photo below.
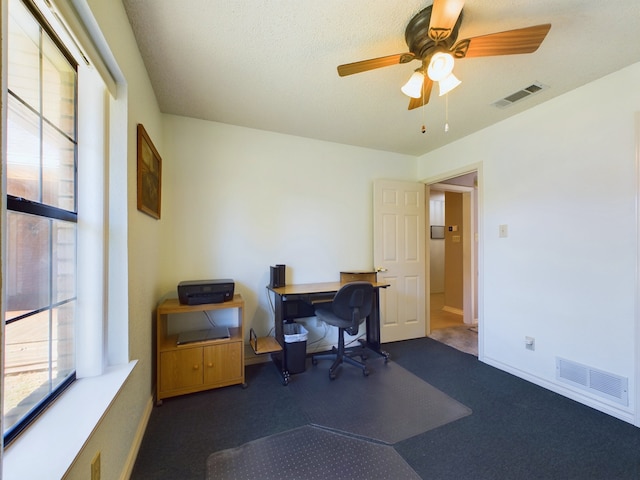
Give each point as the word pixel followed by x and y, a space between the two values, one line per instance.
pixel 137 441
pixel 457 311
pixel 624 414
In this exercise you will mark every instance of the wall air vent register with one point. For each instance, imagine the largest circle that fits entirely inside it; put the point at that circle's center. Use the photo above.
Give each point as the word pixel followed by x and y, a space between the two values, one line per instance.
pixel 603 384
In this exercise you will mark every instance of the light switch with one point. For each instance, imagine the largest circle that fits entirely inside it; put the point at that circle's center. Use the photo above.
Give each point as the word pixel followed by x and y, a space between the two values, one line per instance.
pixel 503 231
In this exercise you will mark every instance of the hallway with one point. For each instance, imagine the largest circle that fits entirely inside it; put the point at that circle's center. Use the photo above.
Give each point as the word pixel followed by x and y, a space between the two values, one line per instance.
pixel 448 328
pixel 440 318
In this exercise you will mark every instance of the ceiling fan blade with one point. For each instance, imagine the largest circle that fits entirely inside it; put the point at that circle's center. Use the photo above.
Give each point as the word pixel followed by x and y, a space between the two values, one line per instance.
pixel 366 65
pixel 426 93
pixel 444 15
pixel 521 40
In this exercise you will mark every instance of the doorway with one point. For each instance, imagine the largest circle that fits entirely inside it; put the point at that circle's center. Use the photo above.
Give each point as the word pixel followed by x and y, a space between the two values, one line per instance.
pixel 453 253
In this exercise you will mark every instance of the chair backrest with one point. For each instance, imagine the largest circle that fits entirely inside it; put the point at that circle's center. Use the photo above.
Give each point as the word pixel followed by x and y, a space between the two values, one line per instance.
pixel 353 302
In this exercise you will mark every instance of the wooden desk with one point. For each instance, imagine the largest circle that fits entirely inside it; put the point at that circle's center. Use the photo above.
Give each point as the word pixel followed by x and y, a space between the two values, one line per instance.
pixel 297 301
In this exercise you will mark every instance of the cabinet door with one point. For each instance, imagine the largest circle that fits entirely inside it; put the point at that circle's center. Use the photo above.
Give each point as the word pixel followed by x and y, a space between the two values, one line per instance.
pixel 222 362
pixel 180 369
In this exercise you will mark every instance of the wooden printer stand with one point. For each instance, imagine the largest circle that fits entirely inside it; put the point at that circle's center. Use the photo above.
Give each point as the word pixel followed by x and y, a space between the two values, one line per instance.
pixel 197 366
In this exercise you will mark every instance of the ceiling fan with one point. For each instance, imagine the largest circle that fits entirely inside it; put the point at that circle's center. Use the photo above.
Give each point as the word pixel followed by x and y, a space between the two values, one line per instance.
pixel 431 36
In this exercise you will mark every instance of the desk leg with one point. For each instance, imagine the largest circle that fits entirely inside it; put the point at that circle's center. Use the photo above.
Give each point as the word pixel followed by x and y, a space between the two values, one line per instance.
pixel 280 359
pixel 373 327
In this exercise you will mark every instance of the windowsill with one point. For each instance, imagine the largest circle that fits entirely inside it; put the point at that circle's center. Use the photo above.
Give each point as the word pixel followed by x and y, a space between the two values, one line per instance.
pixel 61 431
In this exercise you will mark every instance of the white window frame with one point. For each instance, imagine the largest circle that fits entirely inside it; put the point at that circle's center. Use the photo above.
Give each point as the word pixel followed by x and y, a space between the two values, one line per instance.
pixel 102 350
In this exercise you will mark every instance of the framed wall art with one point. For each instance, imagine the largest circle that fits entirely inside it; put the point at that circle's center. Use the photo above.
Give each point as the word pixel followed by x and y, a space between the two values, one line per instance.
pixel 149 175
pixel 437 232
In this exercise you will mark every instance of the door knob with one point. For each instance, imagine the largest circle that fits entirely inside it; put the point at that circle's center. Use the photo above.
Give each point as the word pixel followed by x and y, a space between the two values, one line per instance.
pixel 381 269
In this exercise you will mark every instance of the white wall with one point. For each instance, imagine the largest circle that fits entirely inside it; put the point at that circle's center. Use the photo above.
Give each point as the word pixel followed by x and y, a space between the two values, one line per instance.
pixel 236 201
pixel 563 177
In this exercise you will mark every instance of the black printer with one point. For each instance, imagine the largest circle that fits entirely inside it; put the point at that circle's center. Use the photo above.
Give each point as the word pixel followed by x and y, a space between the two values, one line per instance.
pixel 197 292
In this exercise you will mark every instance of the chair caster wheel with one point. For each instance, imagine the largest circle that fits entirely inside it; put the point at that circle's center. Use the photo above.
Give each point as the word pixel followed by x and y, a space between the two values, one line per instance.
pixel 314 361
pixel 365 372
pixel 332 376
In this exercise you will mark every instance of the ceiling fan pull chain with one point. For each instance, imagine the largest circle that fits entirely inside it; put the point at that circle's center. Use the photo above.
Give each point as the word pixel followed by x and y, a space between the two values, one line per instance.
pixel 446 113
pixel 424 128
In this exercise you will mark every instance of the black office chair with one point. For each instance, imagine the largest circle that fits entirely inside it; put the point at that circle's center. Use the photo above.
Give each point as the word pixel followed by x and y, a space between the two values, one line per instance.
pixel 351 305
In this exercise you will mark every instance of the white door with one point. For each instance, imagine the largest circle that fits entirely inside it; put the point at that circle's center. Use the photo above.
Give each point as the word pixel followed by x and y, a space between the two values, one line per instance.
pixel 399 257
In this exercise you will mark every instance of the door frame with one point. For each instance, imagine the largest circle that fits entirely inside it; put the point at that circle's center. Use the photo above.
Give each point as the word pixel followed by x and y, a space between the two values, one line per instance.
pixel 469 316
pixel 472 266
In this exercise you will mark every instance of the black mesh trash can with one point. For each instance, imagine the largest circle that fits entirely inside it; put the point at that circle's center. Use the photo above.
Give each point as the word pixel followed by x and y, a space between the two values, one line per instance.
pixel 295 344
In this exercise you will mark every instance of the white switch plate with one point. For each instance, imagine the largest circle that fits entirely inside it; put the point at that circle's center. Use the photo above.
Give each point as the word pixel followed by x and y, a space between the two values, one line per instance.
pixel 503 231
pixel 529 343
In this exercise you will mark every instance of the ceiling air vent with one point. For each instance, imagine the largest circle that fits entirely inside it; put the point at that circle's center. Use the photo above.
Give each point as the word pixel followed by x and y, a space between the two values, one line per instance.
pixel 519 95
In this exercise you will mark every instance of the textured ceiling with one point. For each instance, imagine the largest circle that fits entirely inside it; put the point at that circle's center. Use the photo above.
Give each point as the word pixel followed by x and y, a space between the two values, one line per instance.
pixel 271 65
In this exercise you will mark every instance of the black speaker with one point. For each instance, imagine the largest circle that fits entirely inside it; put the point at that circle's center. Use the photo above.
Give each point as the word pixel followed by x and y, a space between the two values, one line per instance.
pixel 277 276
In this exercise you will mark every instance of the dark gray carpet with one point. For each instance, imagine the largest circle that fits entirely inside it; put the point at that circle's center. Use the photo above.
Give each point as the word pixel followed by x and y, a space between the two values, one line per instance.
pixel 390 405
pixel 518 430
pixel 308 453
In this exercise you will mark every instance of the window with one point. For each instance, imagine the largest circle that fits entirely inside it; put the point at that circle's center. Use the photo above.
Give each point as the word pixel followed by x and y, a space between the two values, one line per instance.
pixel 41 232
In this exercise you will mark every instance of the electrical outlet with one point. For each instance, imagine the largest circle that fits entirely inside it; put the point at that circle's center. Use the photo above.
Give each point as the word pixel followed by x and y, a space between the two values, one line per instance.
pixel 95 467
pixel 529 343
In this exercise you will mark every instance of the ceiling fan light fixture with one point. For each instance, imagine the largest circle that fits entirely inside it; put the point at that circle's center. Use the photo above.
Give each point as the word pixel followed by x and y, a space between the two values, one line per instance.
pixel 448 83
pixel 440 66
pixel 413 88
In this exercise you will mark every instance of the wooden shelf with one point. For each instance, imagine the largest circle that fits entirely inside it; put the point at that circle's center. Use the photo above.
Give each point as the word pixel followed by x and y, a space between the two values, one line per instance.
pixel 173 305
pixel 197 366
pixel 170 342
pixel 262 345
